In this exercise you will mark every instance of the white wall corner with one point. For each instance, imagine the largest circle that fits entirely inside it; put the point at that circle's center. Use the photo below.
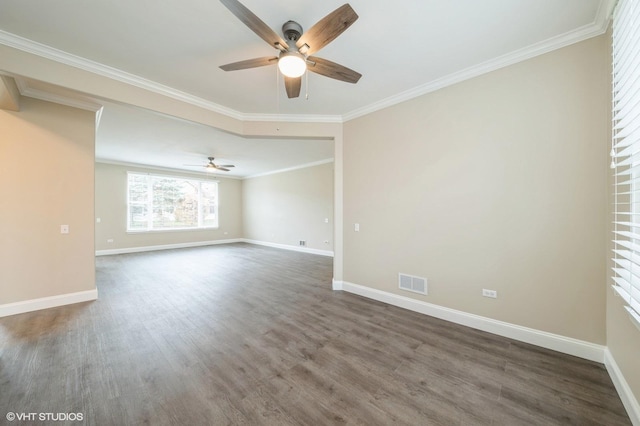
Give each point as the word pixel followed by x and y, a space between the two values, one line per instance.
pixel 336 285
pixel 47 302
pixel 567 345
pixel 629 401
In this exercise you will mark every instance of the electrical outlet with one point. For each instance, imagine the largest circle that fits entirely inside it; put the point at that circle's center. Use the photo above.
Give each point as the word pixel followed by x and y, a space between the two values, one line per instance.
pixel 490 293
pixel 356 227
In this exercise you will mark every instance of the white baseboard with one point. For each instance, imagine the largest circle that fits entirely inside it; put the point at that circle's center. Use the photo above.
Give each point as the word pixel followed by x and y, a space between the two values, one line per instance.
pixel 552 341
pixel 166 247
pixel 210 243
pixel 336 285
pixel 47 302
pixel 288 247
pixel 626 395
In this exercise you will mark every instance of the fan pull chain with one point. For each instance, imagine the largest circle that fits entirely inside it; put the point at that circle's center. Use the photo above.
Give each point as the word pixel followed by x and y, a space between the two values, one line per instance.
pixel 306 85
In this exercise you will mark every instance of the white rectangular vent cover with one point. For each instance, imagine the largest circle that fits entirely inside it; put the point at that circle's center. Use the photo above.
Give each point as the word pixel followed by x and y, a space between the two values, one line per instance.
pixel 412 283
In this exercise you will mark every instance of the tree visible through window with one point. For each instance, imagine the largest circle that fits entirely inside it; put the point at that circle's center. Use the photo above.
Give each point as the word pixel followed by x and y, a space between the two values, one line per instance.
pixel 164 202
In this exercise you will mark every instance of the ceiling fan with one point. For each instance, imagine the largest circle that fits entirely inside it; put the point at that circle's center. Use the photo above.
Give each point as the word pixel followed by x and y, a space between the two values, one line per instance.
pixel 211 166
pixel 294 57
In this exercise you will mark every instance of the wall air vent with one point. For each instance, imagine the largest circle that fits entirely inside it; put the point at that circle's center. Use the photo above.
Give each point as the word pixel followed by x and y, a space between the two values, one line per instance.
pixel 412 283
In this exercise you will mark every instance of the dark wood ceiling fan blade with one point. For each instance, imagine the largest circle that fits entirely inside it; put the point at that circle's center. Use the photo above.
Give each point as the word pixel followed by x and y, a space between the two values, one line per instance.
pixel 293 84
pixel 226 165
pixel 250 63
pixel 255 24
pixel 327 29
pixel 222 168
pixel 332 70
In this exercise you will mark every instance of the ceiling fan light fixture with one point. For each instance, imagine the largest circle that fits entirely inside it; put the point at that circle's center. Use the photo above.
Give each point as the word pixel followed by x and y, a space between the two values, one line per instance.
pixel 292 64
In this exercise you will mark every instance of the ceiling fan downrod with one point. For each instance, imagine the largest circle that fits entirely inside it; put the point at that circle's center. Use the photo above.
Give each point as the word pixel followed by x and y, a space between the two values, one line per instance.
pixel 291 30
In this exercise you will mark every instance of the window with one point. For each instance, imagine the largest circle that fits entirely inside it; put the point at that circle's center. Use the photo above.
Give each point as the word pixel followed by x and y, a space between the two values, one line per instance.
pixel 625 152
pixel 164 202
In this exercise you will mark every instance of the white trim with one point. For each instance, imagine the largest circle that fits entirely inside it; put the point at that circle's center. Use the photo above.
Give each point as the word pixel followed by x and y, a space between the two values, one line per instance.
pixel 567 345
pixel 98 118
pixel 289 247
pixel 336 285
pixel 66 58
pixel 596 28
pixel 293 118
pixel 290 169
pixel 30 92
pixel 48 52
pixel 624 391
pixel 47 302
pixel 599 26
pixel 197 174
pixel 166 247
pixel 211 243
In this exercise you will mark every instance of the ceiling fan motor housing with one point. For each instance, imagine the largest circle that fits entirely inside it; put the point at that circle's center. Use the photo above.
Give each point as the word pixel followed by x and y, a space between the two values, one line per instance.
pixel 292 30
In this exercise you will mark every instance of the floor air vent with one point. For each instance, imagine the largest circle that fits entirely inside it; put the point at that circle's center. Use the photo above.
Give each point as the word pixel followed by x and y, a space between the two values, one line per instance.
pixel 412 283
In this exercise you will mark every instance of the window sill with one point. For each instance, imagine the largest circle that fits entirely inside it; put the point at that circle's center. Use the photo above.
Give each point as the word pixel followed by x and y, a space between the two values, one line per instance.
pixel 157 231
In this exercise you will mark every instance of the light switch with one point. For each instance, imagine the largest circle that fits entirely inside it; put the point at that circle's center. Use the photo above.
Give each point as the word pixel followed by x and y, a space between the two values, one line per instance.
pixel 64 229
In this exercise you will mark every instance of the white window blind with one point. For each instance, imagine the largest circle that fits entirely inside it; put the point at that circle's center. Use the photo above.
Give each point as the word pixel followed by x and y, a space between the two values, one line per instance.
pixel 626 154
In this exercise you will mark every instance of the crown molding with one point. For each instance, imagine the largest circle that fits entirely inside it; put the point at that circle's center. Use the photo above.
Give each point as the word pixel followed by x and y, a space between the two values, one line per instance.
pixel 290 169
pixel 165 169
pixel 62 57
pixel 189 172
pixel 30 92
pixel 596 28
pixel 294 118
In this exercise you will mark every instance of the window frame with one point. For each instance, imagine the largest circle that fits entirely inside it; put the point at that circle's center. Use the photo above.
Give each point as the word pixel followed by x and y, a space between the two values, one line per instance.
pixel 150 206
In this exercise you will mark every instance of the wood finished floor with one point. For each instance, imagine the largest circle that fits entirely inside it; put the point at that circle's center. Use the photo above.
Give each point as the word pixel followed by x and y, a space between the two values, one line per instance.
pixel 242 334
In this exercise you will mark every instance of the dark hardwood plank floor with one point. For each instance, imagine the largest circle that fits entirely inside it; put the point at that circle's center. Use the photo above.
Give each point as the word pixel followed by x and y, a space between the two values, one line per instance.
pixel 243 334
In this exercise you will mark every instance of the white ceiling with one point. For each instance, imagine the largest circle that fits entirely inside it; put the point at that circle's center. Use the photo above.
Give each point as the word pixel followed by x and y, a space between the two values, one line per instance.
pixel 403 49
pixel 177 144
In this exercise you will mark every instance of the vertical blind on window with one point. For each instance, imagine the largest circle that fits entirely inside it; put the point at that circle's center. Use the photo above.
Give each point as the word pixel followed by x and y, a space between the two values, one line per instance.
pixel 626 154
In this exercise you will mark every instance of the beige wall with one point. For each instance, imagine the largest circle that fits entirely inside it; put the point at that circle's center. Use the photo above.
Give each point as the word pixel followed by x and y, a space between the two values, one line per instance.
pixel 284 208
pixel 46 180
pixel 623 341
pixel 498 182
pixel 111 208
